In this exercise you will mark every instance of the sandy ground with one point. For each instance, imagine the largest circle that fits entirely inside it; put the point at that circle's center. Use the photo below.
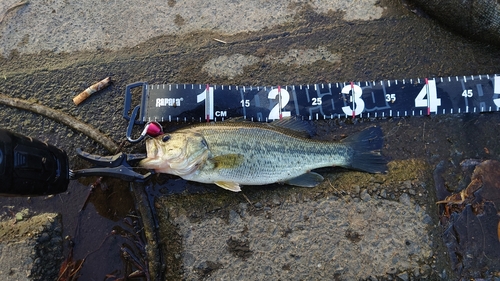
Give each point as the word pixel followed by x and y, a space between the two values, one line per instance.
pixel 353 226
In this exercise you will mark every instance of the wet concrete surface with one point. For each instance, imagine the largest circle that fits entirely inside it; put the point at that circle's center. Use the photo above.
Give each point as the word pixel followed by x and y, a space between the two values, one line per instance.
pixel 398 45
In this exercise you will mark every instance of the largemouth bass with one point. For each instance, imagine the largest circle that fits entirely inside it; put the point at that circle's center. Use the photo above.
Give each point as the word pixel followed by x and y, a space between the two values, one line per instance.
pixel 230 154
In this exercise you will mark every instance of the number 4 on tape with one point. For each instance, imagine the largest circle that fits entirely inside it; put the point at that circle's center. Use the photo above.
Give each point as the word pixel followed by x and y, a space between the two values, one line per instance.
pixel 432 101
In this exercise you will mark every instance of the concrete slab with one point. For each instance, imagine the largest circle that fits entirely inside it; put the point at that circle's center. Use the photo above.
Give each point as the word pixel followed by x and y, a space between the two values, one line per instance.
pixel 68 26
pixel 31 247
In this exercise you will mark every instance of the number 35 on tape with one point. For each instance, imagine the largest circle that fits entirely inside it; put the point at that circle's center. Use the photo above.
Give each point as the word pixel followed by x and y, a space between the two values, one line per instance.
pixel 387 98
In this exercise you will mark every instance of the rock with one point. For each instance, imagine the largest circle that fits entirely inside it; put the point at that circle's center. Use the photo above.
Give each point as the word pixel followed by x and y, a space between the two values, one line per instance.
pixel 19 216
pixel 234 217
pixel 188 259
pixel 383 193
pixel 44 237
pixel 406 185
pixel 364 195
pixel 356 189
pixel 268 270
pixel 405 199
pixel 403 276
pixel 427 219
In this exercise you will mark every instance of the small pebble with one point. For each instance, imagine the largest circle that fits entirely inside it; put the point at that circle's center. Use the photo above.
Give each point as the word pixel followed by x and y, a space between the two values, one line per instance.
pixel 356 189
pixel 383 193
pixel 365 196
pixel 403 276
pixel 405 199
pixel 44 237
pixel 234 217
pixel 19 216
pixel 427 219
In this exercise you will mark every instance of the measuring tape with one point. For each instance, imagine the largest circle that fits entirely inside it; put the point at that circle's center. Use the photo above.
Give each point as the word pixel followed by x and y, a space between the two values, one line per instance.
pixel 387 98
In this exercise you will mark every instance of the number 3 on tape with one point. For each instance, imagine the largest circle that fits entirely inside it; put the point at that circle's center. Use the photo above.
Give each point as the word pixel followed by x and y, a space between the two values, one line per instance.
pixel 432 101
pixel 359 103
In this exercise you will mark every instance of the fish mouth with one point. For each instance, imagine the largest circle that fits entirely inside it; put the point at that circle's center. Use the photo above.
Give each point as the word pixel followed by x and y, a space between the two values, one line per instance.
pixel 152 161
pixel 182 163
pixel 151 149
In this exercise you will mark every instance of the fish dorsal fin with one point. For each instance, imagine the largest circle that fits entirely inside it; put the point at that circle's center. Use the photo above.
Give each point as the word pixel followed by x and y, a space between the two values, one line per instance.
pixel 310 179
pixel 236 119
pixel 227 161
pixel 229 185
pixel 295 125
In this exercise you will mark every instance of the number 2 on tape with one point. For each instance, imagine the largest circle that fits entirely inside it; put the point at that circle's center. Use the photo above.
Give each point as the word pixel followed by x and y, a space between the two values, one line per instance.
pixel 432 101
pixel 285 98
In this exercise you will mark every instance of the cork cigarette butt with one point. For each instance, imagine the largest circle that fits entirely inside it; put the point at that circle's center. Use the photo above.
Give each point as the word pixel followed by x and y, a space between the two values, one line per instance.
pixel 92 89
pixel 81 97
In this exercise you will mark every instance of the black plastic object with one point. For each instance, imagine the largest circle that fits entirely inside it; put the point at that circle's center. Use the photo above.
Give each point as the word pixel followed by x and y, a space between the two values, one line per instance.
pixel 117 166
pixel 128 103
pixel 29 167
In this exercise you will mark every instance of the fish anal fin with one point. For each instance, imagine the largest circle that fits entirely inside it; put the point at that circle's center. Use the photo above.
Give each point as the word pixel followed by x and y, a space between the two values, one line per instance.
pixel 310 179
pixel 227 161
pixel 229 185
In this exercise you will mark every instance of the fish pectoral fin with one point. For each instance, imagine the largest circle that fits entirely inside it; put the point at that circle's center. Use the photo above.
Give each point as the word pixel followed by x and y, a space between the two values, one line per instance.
pixel 229 185
pixel 310 179
pixel 227 161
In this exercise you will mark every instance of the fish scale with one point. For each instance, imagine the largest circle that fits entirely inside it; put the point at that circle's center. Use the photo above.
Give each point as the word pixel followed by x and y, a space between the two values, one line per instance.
pixel 278 154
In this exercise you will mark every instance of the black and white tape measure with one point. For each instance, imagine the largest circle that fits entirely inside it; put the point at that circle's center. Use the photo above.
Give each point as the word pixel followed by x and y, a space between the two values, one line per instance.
pixel 388 98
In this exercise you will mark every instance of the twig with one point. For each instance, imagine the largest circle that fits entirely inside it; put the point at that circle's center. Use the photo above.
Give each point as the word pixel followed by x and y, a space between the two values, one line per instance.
pixel 248 200
pixel 63 118
pixel 423 133
pixel 12 8
pixel 146 211
pixel 220 41
pixel 331 185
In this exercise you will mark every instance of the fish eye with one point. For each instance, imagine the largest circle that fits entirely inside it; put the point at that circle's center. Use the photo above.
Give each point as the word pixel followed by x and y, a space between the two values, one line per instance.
pixel 165 138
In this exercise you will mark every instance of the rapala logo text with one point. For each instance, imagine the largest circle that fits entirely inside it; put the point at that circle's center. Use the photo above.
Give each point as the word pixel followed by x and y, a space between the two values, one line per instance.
pixel 168 102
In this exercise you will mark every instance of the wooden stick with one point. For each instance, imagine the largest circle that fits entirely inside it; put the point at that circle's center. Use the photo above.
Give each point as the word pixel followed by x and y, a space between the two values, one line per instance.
pixel 63 118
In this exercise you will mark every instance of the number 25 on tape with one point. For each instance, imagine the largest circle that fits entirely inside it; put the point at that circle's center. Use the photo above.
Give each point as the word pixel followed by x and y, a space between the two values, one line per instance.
pixel 432 101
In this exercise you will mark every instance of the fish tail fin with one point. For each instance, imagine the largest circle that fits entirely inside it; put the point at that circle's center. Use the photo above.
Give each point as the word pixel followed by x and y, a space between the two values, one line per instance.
pixel 366 146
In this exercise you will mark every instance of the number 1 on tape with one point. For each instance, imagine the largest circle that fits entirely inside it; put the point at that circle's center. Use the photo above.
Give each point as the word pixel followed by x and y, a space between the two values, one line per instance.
pixel 208 97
